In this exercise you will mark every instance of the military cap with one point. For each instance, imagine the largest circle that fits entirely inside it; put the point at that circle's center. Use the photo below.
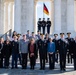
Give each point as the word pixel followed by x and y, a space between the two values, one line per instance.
pixel 27 30
pixel 38 31
pixel 55 34
pixel 18 34
pixel 69 33
pixel 48 18
pixel 61 33
pixel 32 32
pixel 39 18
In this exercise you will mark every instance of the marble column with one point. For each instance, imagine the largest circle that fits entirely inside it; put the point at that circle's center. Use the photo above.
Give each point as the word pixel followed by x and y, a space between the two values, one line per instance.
pixel 52 16
pixel 11 15
pixel 64 16
pixel 1 17
pixel 17 16
pixel 75 15
pixel 70 16
pixel 57 16
pixel 35 10
pixel 5 16
pixel 27 16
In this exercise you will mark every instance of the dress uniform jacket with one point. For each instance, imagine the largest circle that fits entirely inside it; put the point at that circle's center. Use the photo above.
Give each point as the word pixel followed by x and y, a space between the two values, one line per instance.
pixel 74 54
pixel 70 44
pixel 39 25
pixel 62 45
pixel 62 51
pixel 56 44
pixel 42 46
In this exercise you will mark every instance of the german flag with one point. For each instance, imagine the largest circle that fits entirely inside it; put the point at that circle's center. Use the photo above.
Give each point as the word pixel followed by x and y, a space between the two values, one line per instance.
pixel 45 10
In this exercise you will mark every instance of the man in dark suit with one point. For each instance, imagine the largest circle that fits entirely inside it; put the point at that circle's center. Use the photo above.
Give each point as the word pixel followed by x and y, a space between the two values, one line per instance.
pixel 42 46
pixel 48 25
pixel 39 24
pixel 15 51
pixel 62 43
pixel 43 25
pixel 69 47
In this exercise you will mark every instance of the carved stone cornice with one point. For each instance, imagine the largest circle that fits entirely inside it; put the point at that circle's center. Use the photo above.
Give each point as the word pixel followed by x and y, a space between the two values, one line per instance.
pixel 8 0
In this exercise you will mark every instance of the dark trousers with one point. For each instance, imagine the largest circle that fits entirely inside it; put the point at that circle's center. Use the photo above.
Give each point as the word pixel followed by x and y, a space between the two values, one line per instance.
pixel 24 60
pixel 19 56
pixel 56 57
pixel 46 57
pixel 39 28
pixel 32 61
pixel 6 61
pixel 51 61
pixel 14 60
pixel 42 62
pixel 43 30
pixel 48 30
pixel 74 63
pixel 69 57
pixel 1 60
pixel 62 61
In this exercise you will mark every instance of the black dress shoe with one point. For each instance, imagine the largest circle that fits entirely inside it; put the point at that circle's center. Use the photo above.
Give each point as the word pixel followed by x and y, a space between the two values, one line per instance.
pixel 12 68
pixel 64 69
pixel 40 68
pixel 16 67
pixel 43 68
pixel 30 67
pixel 33 67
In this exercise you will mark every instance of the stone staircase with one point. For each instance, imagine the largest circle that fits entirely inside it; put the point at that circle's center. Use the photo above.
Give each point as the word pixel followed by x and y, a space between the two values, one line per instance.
pixel 8 33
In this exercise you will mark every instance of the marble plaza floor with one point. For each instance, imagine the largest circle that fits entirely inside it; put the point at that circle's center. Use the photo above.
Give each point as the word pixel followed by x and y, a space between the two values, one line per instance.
pixel 56 71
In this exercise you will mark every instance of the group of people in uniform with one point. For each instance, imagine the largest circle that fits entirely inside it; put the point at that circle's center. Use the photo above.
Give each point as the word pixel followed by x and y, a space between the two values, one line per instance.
pixel 42 24
pixel 31 46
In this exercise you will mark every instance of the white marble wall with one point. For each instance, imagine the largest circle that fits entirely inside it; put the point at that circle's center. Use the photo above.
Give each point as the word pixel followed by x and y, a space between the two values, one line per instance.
pixel 57 16
pixel 70 16
pixel 1 17
pixel 17 16
pixel 64 16
pixel 27 15
pixel 75 15
pixel 24 16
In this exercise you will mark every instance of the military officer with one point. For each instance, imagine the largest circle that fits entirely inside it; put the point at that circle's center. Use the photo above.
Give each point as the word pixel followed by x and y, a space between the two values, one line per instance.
pixel 62 43
pixel 47 39
pixel 39 24
pixel 28 34
pixel 55 40
pixel 43 25
pixel 74 53
pixel 48 25
pixel 42 46
pixel 69 47
pixel 38 34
